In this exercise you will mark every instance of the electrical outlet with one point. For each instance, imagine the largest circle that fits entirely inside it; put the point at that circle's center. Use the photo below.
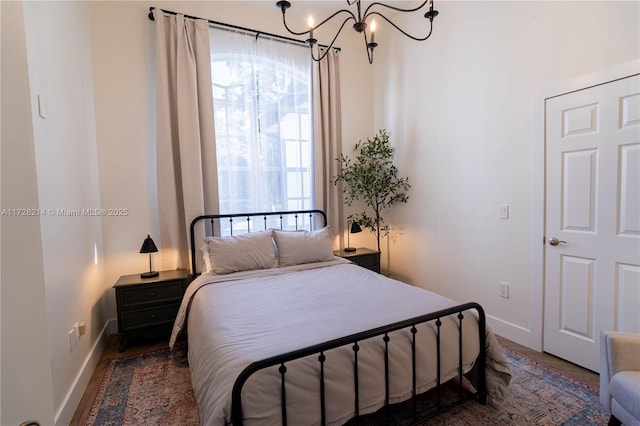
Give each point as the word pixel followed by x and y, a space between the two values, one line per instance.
pixel 504 290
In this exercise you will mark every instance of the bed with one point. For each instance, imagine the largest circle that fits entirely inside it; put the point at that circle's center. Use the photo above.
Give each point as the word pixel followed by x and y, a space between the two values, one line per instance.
pixel 280 331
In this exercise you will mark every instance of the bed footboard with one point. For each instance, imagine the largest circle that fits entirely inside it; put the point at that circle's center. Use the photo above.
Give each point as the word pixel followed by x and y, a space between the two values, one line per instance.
pixel 435 317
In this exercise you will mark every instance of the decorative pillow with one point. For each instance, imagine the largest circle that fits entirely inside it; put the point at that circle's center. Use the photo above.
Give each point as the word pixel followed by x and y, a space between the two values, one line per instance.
pixel 244 252
pixel 296 247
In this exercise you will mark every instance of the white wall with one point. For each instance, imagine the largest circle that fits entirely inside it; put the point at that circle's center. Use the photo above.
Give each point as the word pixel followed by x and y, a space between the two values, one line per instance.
pixel 123 64
pixel 459 108
pixel 59 55
pixel 27 389
pixel 66 254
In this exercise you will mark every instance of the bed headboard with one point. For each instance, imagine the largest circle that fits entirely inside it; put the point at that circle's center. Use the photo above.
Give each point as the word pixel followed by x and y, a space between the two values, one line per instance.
pixel 219 225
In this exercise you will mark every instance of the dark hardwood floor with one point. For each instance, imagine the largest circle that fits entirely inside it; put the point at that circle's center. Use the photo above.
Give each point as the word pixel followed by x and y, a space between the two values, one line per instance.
pixel 141 345
pixel 573 370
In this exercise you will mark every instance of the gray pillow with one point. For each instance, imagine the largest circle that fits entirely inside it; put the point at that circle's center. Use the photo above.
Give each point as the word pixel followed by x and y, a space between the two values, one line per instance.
pixel 297 247
pixel 245 252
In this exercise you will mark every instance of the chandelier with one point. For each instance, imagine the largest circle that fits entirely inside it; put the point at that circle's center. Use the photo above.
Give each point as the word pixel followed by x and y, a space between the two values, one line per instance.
pixel 359 23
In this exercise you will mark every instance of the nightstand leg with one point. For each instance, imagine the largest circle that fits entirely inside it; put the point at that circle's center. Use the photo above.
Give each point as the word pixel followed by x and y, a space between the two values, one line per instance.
pixel 121 343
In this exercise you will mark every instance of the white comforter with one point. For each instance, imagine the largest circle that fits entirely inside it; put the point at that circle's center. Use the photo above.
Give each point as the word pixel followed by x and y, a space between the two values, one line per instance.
pixel 236 319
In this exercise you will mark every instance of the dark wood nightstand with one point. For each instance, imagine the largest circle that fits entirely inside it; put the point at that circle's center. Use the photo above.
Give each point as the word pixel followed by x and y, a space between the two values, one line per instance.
pixel 148 306
pixel 364 257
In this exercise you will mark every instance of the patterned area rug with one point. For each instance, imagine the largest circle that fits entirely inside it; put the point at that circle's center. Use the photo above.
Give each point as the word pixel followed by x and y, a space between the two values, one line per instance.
pixel 149 389
pixel 538 395
pixel 155 389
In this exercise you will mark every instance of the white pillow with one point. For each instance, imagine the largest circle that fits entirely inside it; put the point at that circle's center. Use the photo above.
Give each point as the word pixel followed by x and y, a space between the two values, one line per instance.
pixel 205 258
pixel 244 252
pixel 296 247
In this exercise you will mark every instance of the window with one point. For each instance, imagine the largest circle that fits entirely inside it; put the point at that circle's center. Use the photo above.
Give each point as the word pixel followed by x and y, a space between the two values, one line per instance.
pixel 263 123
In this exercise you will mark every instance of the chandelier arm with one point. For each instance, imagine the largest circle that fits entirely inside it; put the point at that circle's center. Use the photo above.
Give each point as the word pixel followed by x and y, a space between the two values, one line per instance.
pixel 399 9
pixel 369 50
pixel 403 31
pixel 284 21
pixel 321 57
pixel 352 16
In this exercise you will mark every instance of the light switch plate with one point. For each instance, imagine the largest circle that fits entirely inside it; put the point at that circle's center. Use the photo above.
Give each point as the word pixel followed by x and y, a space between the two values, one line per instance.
pixel 41 111
pixel 504 290
pixel 504 211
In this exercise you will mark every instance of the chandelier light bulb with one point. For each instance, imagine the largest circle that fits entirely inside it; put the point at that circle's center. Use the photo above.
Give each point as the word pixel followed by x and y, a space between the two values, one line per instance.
pixel 373 31
pixel 311 40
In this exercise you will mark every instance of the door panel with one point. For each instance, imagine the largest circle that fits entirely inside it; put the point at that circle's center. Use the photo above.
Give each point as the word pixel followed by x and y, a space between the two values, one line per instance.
pixel 629 219
pixel 578 190
pixel 576 282
pixel 592 205
pixel 628 289
pixel 630 110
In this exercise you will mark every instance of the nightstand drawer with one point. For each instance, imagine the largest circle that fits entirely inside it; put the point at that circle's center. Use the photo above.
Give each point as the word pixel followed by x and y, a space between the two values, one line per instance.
pixel 149 317
pixel 363 257
pixel 368 262
pixel 142 295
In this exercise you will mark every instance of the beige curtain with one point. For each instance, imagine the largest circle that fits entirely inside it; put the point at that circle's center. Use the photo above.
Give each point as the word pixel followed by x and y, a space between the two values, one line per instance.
pixel 185 141
pixel 328 141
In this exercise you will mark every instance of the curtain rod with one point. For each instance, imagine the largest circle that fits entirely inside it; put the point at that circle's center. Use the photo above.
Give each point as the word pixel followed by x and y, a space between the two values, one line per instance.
pixel 236 27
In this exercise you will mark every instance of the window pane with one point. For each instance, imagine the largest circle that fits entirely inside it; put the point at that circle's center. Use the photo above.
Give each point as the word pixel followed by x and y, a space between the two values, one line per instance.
pixel 262 116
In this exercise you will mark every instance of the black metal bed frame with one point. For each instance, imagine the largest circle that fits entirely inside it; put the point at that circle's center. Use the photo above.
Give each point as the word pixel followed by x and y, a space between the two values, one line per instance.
pixel 383 332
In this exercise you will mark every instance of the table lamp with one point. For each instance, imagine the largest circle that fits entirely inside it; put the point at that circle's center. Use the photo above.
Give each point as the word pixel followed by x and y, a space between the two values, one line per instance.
pixel 148 246
pixel 354 228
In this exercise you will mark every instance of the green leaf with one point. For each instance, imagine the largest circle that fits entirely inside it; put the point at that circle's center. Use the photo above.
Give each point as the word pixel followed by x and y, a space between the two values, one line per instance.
pixel 372 179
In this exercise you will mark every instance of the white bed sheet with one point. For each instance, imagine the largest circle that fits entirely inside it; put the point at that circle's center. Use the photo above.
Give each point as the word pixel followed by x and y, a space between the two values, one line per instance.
pixel 236 319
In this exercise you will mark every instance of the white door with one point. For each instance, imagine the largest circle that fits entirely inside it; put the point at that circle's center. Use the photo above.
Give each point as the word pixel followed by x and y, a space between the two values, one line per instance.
pixel 592 275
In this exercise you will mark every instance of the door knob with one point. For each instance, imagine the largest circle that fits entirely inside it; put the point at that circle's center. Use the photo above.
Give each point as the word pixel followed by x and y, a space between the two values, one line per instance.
pixel 554 241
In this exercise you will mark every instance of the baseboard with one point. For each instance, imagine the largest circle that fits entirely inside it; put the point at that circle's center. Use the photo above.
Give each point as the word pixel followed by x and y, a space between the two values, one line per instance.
pixel 510 331
pixel 71 401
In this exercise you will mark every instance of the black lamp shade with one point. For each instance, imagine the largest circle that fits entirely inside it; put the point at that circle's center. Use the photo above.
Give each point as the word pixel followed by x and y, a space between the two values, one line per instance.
pixel 148 246
pixel 355 228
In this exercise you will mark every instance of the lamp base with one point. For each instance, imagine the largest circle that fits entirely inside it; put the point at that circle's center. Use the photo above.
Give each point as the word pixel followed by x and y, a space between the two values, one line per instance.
pixel 150 274
pixel 349 249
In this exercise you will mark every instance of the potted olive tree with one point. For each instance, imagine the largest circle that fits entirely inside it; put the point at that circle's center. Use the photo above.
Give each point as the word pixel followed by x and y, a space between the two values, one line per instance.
pixel 373 179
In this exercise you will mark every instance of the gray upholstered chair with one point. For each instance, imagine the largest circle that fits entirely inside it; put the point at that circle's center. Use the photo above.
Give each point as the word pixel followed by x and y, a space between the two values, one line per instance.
pixel 620 376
